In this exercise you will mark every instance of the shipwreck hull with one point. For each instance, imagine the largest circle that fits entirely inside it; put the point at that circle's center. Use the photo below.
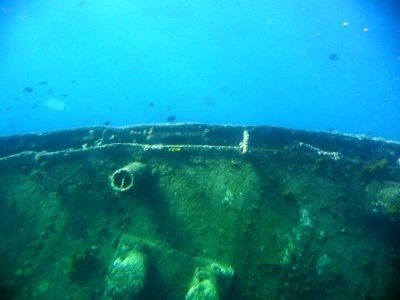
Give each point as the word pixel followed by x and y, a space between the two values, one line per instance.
pixel 286 214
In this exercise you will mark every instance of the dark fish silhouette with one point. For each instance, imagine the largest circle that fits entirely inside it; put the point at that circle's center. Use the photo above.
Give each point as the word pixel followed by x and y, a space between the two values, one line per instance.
pixel 28 89
pixel 64 95
pixel 151 104
pixel 333 57
pixel 43 82
pixel 171 118
pixel 106 123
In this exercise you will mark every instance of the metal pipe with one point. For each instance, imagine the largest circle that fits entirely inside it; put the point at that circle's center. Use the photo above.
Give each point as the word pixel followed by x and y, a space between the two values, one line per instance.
pixel 127 178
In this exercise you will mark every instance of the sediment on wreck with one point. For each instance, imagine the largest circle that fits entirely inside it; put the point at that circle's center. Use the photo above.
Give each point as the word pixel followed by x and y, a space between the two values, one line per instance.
pixel 297 215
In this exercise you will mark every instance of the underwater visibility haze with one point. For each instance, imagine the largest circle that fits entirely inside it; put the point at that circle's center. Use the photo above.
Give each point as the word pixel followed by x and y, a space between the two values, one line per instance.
pixel 320 65
pixel 199 150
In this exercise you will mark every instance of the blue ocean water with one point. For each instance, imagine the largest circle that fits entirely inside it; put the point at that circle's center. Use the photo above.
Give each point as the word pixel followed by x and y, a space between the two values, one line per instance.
pixel 324 65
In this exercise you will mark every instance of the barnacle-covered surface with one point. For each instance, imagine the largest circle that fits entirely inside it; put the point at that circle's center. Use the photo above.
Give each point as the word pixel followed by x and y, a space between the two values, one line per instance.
pixel 297 215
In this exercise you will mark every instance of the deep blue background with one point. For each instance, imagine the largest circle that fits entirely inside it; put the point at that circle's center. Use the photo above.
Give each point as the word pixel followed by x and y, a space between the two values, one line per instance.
pixel 278 62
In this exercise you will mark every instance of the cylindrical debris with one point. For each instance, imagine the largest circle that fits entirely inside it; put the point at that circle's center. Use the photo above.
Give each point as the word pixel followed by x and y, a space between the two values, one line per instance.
pixel 128 177
pixel 126 276
pixel 210 282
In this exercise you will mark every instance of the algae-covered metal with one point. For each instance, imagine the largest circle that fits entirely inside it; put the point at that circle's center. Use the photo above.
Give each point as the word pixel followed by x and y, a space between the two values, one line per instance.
pixel 128 177
pixel 229 212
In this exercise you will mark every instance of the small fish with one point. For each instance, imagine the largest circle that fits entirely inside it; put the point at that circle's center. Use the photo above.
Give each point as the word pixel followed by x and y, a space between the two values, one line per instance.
pixel 28 89
pixel 43 82
pixel 151 104
pixel 64 95
pixel 171 118
pixel 8 108
pixel 34 106
pixel 333 57
pixel 55 104
pixel 73 81
pixel 106 123
pixel 126 98
pixel 27 116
